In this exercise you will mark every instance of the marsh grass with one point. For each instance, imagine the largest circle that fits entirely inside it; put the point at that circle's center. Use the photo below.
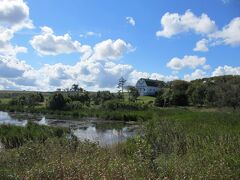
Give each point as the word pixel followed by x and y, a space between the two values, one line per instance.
pixel 14 136
pixel 175 144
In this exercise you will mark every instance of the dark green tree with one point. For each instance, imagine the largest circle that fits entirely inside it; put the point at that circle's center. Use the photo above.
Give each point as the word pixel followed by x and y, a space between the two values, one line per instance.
pixel 133 93
pixel 179 93
pixel 56 102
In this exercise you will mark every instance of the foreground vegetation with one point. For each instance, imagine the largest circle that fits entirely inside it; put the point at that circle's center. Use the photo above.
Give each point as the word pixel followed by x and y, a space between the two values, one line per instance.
pixel 177 143
pixel 14 136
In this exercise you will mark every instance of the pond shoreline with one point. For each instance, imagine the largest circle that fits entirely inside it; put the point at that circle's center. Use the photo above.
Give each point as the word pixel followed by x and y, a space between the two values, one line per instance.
pixel 97 130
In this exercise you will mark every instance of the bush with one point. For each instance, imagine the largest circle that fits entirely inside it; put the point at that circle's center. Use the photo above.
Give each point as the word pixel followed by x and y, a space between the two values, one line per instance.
pixel 74 105
pixel 56 102
pixel 121 105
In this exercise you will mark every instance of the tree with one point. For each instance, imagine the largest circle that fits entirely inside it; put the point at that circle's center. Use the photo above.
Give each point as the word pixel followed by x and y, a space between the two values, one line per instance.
pixel 56 101
pixel 159 101
pixel 179 93
pixel 74 87
pixel 32 100
pixel 133 93
pixel 121 83
pixel 101 97
pixel 232 96
pixel 197 93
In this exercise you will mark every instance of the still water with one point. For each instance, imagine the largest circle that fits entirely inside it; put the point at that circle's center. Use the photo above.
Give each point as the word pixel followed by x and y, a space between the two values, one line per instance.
pixel 91 129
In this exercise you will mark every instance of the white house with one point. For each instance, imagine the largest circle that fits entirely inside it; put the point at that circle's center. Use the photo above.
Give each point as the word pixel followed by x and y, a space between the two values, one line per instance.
pixel 148 87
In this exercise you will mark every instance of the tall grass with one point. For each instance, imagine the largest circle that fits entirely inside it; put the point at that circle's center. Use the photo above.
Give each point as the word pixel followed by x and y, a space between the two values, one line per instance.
pixel 175 144
pixel 14 136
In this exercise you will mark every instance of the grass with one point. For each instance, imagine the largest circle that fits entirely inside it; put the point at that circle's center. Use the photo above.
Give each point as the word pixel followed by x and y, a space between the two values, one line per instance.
pixel 146 99
pixel 177 143
pixel 5 100
pixel 14 136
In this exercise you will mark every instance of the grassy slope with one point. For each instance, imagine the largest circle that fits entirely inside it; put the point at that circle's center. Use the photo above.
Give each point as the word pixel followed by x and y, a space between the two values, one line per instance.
pixel 146 99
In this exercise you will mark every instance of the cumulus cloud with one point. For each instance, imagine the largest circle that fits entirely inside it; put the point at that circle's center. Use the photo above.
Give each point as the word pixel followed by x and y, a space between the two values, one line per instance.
pixel 110 50
pixel 10 67
pixel 187 61
pixel 226 70
pixel 99 71
pixel 201 45
pixel 15 14
pixel 229 35
pixel 174 23
pixel 197 74
pixel 47 43
pixel 131 21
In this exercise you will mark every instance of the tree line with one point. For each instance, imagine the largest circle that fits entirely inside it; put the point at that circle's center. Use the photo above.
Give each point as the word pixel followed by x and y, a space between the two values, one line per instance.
pixel 222 91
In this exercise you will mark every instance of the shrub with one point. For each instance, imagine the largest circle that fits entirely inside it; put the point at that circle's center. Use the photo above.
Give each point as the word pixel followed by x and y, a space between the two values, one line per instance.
pixel 121 105
pixel 56 102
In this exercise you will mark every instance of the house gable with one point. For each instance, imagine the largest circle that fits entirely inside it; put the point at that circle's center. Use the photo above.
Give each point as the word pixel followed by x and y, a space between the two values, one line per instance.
pixel 147 87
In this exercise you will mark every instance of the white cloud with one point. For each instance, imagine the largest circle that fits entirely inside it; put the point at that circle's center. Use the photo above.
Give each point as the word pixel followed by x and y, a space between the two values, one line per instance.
pixel 6 34
pixel 9 50
pixel 174 23
pixel 229 35
pixel 206 67
pixel 14 14
pixel 98 71
pixel 187 61
pixel 197 74
pixel 131 21
pixel 110 50
pixel 47 43
pixel 90 33
pixel 12 68
pixel 226 70
pixel 5 84
pixel 201 45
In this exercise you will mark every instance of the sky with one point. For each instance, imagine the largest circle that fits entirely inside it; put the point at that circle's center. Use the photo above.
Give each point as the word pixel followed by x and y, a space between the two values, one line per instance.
pixel 45 45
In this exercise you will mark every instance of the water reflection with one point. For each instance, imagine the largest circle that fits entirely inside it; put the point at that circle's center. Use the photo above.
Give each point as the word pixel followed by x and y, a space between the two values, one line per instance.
pixel 5 118
pixel 94 130
pixel 104 136
pixel 43 121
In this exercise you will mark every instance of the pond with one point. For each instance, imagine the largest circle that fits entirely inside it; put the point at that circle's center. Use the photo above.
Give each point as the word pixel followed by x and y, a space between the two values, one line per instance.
pixel 92 129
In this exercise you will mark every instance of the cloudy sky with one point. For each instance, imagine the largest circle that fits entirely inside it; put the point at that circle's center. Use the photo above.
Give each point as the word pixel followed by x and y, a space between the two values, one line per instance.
pixel 46 45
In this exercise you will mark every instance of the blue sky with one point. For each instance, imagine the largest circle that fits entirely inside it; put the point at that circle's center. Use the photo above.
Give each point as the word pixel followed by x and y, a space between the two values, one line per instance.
pixel 158 43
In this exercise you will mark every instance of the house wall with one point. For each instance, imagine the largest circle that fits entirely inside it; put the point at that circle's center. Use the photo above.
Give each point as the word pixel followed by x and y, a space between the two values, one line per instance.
pixel 145 90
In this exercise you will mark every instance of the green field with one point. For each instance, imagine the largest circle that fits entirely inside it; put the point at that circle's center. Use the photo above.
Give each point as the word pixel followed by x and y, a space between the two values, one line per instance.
pixel 146 99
